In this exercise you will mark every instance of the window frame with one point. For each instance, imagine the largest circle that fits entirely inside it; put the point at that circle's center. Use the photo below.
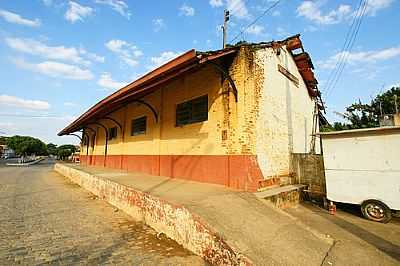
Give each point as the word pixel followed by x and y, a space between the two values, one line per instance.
pixel 142 132
pixel 112 136
pixel 199 116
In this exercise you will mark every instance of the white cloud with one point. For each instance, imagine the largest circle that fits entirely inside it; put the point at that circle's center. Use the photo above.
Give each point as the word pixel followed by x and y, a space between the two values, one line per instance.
pixel 163 58
pixel 107 82
pixel 55 69
pixel 186 10
pixel 361 57
pixel 70 54
pixel 158 24
pixel 237 8
pixel 216 3
pixel 373 6
pixel 117 5
pixel 91 56
pixel 127 52
pixel 23 103
pixel 311 11
pixel 17 19
pixel 256 30
pixel 77 12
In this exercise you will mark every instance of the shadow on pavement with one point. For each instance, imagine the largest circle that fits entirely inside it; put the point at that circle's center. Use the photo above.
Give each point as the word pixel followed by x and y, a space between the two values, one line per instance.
pixel 383 245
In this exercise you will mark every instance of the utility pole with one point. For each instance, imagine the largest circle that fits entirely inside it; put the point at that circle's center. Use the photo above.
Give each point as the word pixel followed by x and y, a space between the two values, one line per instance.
pixel 395 104
pixel 225 28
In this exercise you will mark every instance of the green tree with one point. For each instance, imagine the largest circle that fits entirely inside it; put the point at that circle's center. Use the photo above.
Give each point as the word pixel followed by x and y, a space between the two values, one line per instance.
pixel 361 115
pixel 387 101
pixel 68 147
pixel 3 140
pixel 64 151
pixel 52 149
pixel 25 145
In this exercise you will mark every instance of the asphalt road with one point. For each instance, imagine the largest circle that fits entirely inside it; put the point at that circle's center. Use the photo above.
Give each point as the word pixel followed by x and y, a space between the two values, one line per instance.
pixel 47 219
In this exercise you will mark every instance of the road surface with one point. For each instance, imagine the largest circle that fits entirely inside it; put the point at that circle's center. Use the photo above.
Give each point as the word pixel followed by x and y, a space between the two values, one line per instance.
pixel 47 219
pixel 357 241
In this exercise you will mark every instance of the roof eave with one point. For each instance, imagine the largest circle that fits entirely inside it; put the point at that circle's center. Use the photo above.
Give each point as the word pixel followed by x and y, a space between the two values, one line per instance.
pixel 187 59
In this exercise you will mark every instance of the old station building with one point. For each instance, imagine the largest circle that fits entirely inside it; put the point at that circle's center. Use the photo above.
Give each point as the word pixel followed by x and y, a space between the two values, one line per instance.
pixel 230 117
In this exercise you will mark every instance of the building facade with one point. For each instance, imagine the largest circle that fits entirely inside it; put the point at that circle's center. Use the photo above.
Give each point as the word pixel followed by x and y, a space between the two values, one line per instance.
pixel 230 117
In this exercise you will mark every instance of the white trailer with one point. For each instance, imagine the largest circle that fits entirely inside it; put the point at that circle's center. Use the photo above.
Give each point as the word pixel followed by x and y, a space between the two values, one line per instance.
pixel 362 167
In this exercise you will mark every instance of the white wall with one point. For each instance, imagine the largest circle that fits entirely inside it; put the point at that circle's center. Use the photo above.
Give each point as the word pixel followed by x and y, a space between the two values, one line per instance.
pixel 285 115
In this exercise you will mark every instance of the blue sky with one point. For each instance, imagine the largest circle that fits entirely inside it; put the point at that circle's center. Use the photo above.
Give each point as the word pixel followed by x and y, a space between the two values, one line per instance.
pixel 58 58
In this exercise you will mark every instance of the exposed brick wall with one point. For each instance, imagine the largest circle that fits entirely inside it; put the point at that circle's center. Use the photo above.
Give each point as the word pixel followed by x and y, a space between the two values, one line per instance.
pixel 309 169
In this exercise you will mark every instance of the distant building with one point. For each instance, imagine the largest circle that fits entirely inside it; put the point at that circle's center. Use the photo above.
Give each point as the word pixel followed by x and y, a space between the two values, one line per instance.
pixel 6 152
pixel 230 117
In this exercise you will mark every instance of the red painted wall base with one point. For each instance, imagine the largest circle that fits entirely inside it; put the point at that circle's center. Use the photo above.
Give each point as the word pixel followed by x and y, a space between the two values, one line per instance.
pixel 235 171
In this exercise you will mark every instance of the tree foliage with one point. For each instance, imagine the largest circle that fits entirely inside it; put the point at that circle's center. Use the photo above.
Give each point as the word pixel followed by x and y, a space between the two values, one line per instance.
pixel 366 115
pixel 64 151
pixel 52 149
pixel 3 140
pixel 25 145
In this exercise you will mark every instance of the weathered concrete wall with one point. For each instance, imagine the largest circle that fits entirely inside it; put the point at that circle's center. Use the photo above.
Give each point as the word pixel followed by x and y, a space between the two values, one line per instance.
pixel 308 169
pixel 286 200
pixel 284 123
pixel 175 221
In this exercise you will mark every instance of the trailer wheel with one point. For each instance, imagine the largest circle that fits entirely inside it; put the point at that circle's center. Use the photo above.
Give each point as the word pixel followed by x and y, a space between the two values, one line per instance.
pixel 376 211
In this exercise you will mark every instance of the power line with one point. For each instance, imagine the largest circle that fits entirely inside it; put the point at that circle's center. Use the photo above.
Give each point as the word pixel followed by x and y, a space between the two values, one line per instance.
pixel 346 53
pixel 333 74
pixel 257 19
pixel 347 47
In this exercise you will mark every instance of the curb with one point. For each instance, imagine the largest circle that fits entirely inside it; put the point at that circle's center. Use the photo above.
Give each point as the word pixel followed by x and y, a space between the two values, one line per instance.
pixel 175 221
pixel 25 164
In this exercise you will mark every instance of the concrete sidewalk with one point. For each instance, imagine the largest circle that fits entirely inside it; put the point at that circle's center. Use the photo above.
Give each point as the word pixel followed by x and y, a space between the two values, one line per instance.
pixel 249 226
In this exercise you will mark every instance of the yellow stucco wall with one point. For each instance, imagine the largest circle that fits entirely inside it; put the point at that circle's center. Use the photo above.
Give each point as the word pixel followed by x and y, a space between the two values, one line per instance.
pixel 164 137
pixel 271 119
